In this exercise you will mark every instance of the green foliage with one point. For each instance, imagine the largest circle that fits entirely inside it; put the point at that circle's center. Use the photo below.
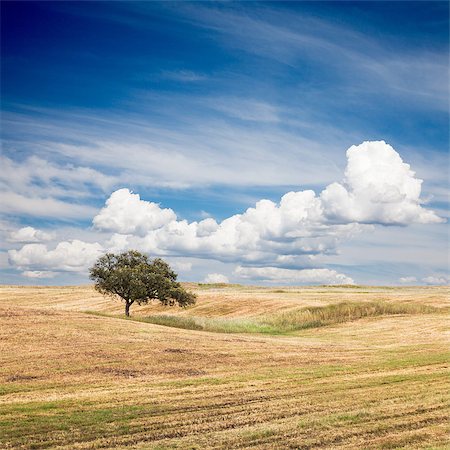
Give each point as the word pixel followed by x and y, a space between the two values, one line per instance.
pixel 132 277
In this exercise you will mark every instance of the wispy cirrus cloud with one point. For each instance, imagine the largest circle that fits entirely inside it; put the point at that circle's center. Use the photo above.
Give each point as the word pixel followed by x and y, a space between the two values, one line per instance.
pixel 361 62
pixel 35 206
pixel 40 188
pixel 246 109
pixel 197 152
pixel 183 75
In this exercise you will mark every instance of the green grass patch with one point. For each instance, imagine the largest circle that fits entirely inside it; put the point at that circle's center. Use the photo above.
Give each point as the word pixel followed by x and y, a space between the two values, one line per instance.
pixel 22 423
pixel 414 357
pixel 217 325
pixel 286 322
pixel 319 316
pixel 255 435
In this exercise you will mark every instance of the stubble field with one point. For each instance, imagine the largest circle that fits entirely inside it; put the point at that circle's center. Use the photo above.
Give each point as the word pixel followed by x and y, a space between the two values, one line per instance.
pixel 247 367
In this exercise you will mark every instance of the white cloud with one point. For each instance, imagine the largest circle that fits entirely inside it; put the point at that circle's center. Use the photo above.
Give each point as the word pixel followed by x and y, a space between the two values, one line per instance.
pixel 437 279
pixel 216 278
pixel 38 274
pixel 361 61
pixel 305 276
pixel 202 154
pixel 40 188
pixel 246 109
pixel 19 176
pixel 267 232
pixel 12 203
pixel 28 234
pixel 405 280
pixel 126 213
pixel 184 75
pixel 73 256
pixel 117 243
pixel 378 188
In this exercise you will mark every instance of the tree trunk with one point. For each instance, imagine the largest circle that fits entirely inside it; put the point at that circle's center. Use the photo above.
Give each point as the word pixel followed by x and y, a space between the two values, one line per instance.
pixel 127 308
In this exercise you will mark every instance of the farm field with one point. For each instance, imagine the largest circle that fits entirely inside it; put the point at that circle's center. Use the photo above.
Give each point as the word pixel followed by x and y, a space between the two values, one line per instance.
pixel 246 367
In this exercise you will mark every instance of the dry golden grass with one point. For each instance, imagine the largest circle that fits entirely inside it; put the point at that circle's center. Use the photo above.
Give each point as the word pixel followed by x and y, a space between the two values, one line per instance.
pixel 75 380
pixel 233 301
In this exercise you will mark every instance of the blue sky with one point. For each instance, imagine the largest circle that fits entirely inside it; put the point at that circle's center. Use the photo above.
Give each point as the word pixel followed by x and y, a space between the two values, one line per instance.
pixel 206 108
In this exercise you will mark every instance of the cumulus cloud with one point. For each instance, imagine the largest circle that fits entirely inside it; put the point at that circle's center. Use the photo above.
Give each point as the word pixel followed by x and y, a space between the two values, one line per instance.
pixel 38 274
pixel 437 279
pixel 126 213
pixel 305 276
pixel 287 233
pixel 71 256
pixel 117 243
pixel 28 234
pixel 378 188
pixel 405 280
pixel 216 278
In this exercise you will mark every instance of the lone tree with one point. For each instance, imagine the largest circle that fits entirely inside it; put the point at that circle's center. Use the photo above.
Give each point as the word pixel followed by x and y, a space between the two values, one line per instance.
pixel 132 277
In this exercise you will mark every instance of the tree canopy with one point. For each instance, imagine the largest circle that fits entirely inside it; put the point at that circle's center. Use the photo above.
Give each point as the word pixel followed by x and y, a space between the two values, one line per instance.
pixel 133 277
